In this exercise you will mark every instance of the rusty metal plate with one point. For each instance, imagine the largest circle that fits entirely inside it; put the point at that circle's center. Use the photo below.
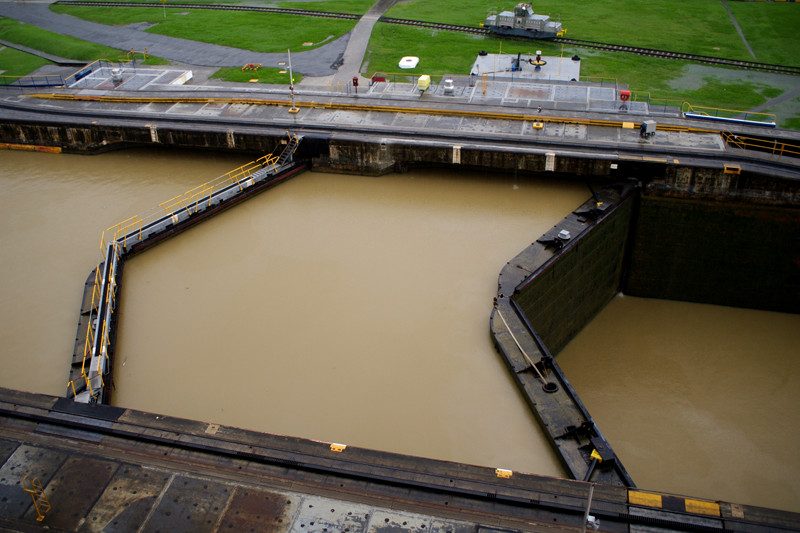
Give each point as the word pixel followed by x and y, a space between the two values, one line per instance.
pixel 252 510
pixel 36 462
pixel 191 505
pixel 127 501
pixel 74 488
pixel 7 447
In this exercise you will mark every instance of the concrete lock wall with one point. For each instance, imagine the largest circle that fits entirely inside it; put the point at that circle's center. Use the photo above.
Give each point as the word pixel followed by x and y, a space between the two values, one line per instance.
pixel 689 246
pixel 364 156
pixel 725 253
pixel 566 294
pixel 96 138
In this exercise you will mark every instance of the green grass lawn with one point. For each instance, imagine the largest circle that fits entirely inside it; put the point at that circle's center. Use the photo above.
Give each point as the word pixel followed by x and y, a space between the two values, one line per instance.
pixel 54 43
pixel 262 75
pixel 355 7
pixel 692 26
pixel 259 32
pixel 15 63
pixel 703 27
pixel 773 31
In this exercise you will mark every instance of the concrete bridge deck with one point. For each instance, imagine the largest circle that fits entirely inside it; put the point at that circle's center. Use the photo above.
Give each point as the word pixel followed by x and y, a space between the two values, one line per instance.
pixel 111 469
pixel 576 117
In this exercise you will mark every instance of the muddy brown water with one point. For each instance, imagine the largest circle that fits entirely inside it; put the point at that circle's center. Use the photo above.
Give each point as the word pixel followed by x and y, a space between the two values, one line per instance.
pixel 695 398
pixel 355 310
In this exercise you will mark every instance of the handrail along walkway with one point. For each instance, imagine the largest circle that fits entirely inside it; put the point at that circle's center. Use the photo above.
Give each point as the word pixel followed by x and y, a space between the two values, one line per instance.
pixel 119 240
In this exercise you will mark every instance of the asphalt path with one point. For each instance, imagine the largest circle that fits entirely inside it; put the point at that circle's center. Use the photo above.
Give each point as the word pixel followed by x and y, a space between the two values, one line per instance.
pixel 338 60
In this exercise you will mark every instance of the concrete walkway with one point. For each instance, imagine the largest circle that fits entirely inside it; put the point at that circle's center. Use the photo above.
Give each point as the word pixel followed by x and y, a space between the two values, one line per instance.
pixel 356 47
pixel 738 28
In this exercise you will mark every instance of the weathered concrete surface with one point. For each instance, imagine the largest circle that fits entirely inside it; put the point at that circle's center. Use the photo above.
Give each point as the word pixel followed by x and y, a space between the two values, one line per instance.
pixel 144 472
pixel 546 294
pixel 720 251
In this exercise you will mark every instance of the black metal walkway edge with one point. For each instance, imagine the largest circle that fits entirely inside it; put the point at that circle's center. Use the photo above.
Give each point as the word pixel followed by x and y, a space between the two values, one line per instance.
pixel 567 423
pixel 92 381
pixel 535 499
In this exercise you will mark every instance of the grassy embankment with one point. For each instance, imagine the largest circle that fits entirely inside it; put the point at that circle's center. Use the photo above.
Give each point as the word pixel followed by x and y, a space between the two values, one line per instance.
pixel 701 27
pixel 259 32
pixel 17 63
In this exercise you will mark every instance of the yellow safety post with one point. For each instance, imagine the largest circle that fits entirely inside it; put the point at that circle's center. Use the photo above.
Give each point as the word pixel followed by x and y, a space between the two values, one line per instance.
pixel 503 473
pixel 40 501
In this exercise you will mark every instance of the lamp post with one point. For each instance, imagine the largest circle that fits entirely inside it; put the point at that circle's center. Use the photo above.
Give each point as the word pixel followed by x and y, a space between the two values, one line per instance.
pixel 294 108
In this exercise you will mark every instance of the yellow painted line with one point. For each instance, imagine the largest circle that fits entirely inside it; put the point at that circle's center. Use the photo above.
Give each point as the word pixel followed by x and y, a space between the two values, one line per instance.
pixel 702 507
pixel 648 499
pixel 31 148
pixel 628 125
pixel 354 107
pixel 673 503
pixel 655 159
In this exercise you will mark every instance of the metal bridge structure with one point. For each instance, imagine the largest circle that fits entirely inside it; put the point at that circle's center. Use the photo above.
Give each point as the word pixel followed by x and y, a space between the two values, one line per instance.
pixel 91 363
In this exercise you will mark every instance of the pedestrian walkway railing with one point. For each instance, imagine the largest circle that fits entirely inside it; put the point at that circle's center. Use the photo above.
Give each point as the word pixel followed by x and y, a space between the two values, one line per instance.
pixel 600 81
pixel 760 144
pixel 194 199
pixel 44 80
pixel 118 240
pixel 94 66
pixel 657 105
pixel 729 115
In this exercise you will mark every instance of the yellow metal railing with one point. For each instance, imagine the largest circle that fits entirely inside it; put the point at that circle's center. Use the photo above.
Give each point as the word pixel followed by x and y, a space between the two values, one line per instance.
pixel 185 200
pixel 115 238
pixel 770 146
pixel 96 305
pixel 715 112
pixel 40 502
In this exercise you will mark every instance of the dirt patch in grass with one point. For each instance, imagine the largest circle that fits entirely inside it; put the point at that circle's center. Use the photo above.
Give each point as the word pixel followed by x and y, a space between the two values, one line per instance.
pixel 693 77
pixel 762 89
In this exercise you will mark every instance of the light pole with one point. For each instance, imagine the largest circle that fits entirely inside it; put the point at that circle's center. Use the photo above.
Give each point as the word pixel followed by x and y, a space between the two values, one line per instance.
pixel 294 108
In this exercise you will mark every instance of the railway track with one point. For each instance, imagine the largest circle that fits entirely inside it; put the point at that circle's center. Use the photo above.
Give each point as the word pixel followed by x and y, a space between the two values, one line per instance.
pixel 664 54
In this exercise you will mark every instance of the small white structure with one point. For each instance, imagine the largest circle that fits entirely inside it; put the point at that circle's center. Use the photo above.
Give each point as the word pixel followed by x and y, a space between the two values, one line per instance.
pixel 409 62
pixel 449 87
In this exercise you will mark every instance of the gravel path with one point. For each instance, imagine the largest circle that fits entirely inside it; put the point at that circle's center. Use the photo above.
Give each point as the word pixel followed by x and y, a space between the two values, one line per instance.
pixel 738 28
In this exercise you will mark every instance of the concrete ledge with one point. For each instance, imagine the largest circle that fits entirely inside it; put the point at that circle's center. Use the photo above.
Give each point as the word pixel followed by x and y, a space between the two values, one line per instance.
pixel 551 289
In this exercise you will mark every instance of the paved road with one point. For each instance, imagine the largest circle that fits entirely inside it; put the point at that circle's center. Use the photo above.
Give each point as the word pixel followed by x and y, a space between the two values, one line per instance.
pixel 333 59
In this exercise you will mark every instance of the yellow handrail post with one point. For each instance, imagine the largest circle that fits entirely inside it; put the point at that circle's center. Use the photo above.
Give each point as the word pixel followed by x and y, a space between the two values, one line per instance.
pixel 40 501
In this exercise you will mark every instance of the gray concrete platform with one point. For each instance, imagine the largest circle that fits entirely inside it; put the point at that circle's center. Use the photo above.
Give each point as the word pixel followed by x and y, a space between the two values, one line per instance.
pixel 503 67
pixel 118 470
pixel 379 115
